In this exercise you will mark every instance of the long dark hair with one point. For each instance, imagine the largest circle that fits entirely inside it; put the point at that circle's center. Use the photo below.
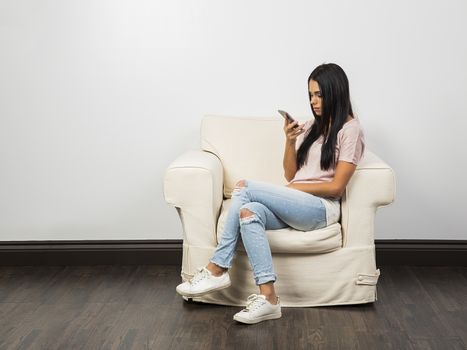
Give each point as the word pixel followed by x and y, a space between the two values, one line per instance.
pixel 336 106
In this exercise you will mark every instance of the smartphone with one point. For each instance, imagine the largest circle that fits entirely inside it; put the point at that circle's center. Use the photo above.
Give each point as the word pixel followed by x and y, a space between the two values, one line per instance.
pixel 288 117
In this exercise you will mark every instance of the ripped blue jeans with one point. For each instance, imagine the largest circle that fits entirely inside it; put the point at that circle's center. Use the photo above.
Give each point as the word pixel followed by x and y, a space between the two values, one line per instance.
pixel 272 207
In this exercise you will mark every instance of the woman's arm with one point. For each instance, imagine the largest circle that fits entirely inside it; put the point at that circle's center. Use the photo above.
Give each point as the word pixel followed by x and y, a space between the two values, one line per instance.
pixel 290 155
pixel 332 189
pixel 290 160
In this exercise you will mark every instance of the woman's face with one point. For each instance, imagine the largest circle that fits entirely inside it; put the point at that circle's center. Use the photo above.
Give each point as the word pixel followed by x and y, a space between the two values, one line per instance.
pixel 316 98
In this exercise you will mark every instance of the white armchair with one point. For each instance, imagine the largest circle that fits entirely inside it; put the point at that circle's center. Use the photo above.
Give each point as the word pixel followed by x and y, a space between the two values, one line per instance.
pixel 330 266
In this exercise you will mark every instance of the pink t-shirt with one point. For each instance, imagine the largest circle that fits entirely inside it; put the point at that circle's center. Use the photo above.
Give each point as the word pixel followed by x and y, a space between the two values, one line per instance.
pixel 350 147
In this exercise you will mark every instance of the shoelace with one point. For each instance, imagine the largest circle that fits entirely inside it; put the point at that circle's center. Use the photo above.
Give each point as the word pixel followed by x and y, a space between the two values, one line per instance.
pixel 199 275
pixel 253 301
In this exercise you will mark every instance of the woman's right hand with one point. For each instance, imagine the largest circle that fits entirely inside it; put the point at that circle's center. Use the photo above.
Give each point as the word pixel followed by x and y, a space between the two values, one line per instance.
pixel 291 133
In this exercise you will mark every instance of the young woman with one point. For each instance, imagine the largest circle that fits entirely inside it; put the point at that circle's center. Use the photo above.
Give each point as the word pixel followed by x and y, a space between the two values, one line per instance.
pixel 319 159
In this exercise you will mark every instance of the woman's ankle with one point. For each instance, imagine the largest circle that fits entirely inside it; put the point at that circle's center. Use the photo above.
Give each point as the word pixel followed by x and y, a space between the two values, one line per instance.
pixel 216 270
pixel 273 299
pixel 267 289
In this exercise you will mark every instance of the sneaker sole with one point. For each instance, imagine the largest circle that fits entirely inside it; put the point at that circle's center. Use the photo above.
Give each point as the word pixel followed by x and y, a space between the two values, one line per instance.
pixel 259 319
pixel 191 295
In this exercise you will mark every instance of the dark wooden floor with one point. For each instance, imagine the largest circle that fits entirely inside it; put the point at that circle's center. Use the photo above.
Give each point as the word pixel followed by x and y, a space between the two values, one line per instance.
pixel 136 307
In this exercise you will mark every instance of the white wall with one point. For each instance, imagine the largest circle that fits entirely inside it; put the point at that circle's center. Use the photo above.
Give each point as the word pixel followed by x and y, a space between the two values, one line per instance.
pixel 97 97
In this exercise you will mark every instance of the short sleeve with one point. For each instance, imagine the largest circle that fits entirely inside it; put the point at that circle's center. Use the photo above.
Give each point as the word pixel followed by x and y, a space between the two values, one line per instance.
pixel 352 144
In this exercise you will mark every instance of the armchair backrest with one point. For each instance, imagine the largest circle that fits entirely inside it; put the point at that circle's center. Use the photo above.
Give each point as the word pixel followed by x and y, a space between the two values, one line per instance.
pixel 248 147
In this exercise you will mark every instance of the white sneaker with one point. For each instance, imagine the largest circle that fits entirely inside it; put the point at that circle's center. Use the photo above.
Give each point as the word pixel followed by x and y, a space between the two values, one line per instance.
pixel 203 282
pixel 258 309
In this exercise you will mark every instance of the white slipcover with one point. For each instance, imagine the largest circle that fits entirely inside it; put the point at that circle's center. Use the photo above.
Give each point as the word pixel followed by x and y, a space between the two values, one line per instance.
pixel 330 266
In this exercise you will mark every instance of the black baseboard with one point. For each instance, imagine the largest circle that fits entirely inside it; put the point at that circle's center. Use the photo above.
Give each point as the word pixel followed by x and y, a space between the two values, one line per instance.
pixel 421 252
pixel 169 252
pixel 93 252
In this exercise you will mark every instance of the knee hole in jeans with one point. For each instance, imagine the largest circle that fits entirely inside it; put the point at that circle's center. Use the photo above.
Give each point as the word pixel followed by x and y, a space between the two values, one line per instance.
pixel 247 216
pixel 239 186
pixel 246 213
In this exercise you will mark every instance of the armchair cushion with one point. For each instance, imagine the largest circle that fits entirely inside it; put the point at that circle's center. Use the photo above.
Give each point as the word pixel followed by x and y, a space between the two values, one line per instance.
pixel 289 240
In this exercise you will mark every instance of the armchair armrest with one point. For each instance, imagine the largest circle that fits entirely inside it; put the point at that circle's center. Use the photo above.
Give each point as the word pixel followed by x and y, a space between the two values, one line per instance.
pixel 193 183
pixel 371 187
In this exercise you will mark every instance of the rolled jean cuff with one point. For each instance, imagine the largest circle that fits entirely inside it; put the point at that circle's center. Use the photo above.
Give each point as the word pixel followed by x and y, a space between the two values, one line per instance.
pixel 270 277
